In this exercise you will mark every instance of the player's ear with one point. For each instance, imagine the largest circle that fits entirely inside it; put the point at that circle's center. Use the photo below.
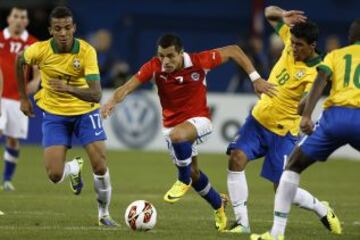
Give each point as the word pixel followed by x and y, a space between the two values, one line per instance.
pixel 50 30
pixel 74 27
pixel 313 45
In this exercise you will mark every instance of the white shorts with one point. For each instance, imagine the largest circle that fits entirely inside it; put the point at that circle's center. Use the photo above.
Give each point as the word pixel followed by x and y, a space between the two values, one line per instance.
pixel 203 127
pixel 13 122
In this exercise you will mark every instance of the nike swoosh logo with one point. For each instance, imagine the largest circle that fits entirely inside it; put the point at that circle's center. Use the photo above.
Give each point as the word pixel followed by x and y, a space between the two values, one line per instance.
pixel 172 198
pixel 98 133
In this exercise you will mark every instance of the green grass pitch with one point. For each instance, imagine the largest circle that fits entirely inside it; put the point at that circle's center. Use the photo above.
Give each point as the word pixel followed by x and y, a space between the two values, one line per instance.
pixel 39 209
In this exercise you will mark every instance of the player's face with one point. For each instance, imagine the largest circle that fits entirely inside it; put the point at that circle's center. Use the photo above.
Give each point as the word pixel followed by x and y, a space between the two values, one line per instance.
pixel 63 29
pixel 18 20
pixel 171 59
pixel 301 49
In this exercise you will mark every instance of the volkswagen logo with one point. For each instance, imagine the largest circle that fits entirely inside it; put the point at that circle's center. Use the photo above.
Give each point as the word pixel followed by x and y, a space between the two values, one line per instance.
pixel 135 122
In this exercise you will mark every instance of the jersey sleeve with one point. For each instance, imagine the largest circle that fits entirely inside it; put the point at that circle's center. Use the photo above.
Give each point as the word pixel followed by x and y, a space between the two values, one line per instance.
pixel 327 65
pixel 283 31
pixel 91 68
pixel 32 54
pixel 209 59
pixel 146 71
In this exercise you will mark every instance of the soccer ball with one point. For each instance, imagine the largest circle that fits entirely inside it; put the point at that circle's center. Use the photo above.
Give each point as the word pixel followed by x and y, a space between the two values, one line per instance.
pixel 140 215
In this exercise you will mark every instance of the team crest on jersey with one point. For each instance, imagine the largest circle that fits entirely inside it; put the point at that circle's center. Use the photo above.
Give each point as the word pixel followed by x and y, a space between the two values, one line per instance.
pixel 76 64
pixel 300 74
pixel 195 76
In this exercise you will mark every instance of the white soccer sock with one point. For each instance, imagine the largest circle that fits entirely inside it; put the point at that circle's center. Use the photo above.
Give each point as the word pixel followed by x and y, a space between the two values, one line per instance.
pixel 238 192
pixel 71 167
pixel 285 194
pixel 102 187
pixel 307 201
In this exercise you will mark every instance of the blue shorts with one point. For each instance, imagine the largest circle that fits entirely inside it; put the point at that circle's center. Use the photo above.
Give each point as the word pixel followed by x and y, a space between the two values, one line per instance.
pixel 256 142
pixel 337 126
pixel 58 130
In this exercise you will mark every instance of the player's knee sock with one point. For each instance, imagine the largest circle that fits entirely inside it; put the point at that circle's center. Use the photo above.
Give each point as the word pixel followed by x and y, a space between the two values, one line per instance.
pixel 305 200
pixel 102 187
pixel 204 188
pixel 285 194
pixel 183 151
pixel 238 192
pixel 71 167
pixel 10 160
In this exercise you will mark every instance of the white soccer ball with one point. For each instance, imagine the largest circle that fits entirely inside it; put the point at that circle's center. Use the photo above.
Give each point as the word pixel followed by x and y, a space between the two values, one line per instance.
pixel 140 215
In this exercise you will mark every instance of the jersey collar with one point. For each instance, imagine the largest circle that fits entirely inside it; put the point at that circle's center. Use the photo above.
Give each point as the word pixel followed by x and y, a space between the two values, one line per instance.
pixel 75 49
pixel 314 61
pixel 24 36
pixel 357 43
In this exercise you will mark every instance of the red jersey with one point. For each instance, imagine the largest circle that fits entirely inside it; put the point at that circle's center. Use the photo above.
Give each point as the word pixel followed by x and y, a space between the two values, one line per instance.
pixel 9 47
pixel 182 93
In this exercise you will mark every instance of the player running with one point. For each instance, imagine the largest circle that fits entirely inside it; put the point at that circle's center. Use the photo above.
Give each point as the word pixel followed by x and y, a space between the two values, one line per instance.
pixel 13 123
pixel 272 128
pixel 69 98
pixel 181 81
pixel 339 125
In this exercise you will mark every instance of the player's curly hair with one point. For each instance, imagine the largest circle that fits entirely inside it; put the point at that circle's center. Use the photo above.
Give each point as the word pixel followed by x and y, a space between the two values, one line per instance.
pixel 170 39
pixel 309 31
pixel 60 12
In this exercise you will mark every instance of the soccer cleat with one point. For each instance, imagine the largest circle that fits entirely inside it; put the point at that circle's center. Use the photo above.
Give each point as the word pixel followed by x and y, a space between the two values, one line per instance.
pixel 76 183
pixel 238 228
pixel 7 186
pixel 107 221
pixel 220 218
pixel 176 192
pixel 265 236
pixel 331 221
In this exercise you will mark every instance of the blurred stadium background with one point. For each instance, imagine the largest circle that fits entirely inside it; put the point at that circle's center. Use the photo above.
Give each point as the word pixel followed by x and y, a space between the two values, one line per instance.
pixel 124 34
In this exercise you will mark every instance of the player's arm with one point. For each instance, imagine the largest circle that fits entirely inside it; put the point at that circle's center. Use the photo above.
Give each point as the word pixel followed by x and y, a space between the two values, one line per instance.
pixel 119 95
pixel 1 87
pixel 34 83
pixel 235 53
pixel 312 98
pixel 275 15
pixel 20 68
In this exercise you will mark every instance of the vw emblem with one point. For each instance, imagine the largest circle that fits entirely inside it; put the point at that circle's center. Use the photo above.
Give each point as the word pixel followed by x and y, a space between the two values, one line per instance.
pixel 136 120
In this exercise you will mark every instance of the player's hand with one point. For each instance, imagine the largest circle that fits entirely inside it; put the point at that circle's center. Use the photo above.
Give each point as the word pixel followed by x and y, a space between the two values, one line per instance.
pixel 262 86
pixel 58 85
pixel 306 125
pixel 26 107
pixel 107 109
pixel 293 17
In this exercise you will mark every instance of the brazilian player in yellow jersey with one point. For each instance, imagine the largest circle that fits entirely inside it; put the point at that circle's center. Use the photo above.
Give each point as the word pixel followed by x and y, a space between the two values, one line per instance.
pixel 272 128
pixel 69 98
pixel 339 125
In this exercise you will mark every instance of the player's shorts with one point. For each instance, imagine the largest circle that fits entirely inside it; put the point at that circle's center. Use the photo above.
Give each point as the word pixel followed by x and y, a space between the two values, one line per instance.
pixel 256 142
pixel 58 130
pixel 336 127
pixel 203 127
pixel 13 123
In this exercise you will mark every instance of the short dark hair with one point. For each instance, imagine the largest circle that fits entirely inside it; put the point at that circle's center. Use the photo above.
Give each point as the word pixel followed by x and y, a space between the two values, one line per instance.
pixel 18 7
pixel 60 12
pixel 309 31
pixel 354 32
pixel 170 39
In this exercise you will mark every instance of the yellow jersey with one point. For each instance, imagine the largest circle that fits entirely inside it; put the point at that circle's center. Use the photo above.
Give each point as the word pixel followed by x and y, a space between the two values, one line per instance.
pixel 343 68
pixel 293 79
pixel 74 67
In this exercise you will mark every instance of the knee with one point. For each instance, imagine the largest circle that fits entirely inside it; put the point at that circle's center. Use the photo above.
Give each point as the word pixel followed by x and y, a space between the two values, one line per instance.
pixel 297 161
pixel 237 160
pixel 12 143
pixel 177 136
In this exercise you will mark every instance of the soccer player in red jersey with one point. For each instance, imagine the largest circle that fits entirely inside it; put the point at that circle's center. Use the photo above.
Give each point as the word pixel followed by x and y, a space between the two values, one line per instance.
pixel 181 81
pixel 13 123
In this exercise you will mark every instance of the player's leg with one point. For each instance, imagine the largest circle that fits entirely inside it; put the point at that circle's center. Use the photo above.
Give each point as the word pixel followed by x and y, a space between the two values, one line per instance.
pixel 180 143
pixel 15 126
pixel 246 146
pixel 202 185
pixel 89 130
